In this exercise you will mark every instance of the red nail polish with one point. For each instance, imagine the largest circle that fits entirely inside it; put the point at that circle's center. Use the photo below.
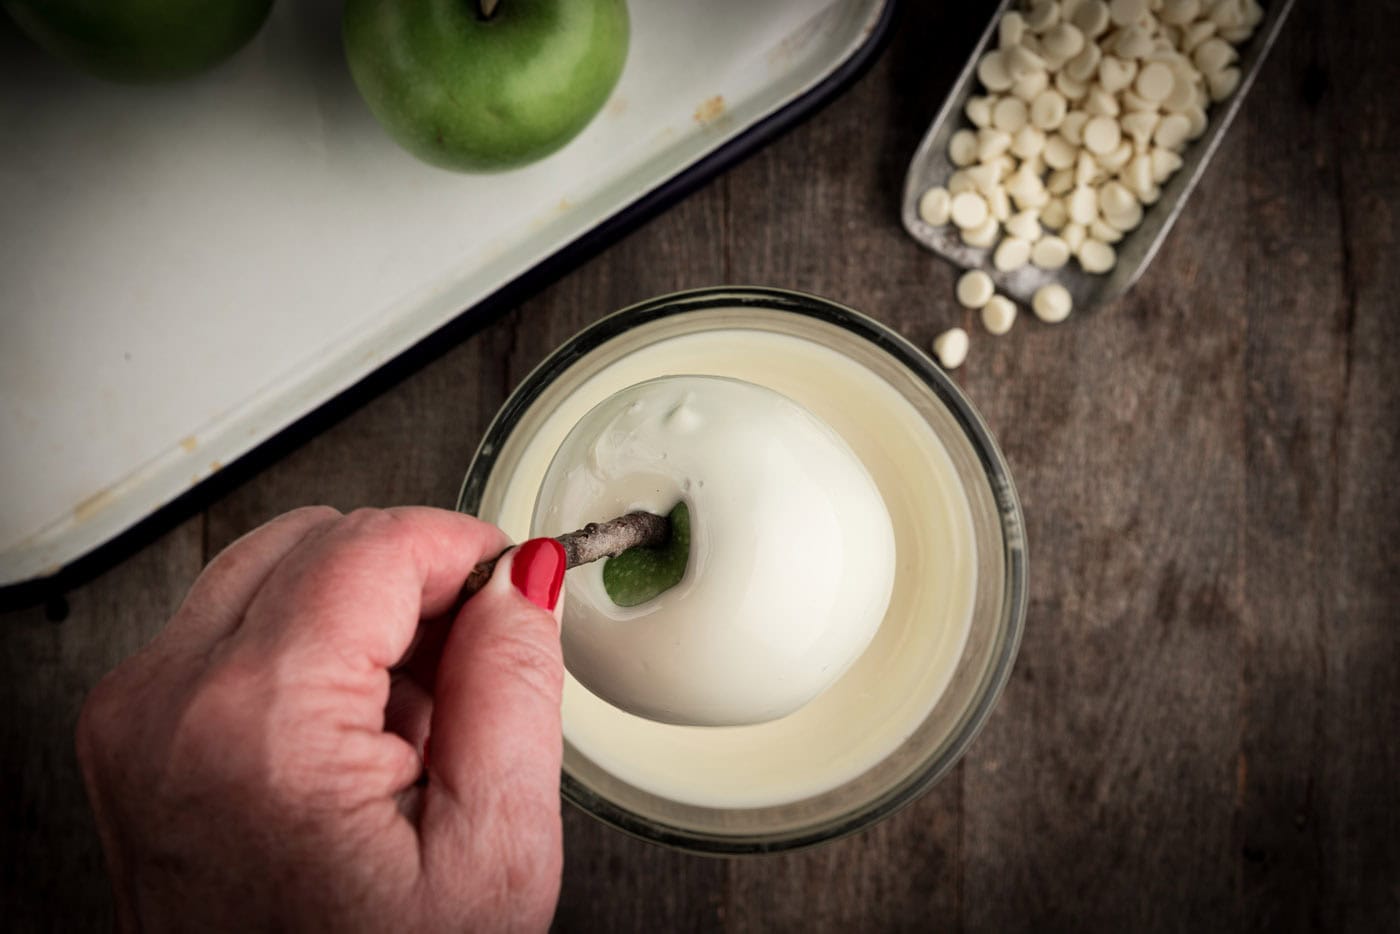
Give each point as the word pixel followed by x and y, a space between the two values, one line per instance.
pixel 537 571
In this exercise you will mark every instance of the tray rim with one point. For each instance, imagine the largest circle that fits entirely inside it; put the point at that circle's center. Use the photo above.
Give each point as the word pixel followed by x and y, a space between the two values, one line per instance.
pixel 49 586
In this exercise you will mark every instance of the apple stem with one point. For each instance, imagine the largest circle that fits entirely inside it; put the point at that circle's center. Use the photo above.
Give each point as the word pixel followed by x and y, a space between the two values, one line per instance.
pixel 486 8
pixel 594 541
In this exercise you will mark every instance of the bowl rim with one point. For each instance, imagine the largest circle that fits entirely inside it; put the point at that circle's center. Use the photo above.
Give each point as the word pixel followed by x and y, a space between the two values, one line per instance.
pixel 993 462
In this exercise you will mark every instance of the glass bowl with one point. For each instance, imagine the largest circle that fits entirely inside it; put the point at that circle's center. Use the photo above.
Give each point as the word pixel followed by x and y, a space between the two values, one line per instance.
pixel 955 711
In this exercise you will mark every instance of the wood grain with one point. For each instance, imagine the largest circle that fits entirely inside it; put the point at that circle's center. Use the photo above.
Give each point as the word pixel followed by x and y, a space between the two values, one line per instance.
pixel 1201 730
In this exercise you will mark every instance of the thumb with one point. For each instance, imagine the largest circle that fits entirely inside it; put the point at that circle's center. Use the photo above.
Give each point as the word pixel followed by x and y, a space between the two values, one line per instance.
pixel 495 730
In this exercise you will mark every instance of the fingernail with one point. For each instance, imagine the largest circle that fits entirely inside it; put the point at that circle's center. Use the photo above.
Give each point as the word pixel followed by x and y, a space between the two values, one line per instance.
pixel 537 571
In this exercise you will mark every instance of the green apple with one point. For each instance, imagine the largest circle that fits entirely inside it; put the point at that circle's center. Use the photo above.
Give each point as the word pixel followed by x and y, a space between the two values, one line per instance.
pixel 485 90
pixel 639 574
pixel 140 40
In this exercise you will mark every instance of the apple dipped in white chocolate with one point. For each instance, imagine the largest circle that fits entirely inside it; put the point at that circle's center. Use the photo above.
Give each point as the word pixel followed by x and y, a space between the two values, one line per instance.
pixel 786 574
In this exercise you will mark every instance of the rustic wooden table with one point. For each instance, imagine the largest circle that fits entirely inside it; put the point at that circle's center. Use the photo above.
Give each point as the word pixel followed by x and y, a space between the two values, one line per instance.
pixel 1203 727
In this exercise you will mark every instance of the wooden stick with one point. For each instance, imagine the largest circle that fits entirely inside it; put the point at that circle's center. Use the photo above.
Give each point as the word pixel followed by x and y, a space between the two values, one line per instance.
pixel 590 543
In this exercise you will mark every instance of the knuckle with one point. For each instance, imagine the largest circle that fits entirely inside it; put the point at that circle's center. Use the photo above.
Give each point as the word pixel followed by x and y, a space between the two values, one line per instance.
pixel 318 513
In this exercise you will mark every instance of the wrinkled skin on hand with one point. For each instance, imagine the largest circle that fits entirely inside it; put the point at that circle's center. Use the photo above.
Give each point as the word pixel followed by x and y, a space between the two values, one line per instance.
pixel 261 763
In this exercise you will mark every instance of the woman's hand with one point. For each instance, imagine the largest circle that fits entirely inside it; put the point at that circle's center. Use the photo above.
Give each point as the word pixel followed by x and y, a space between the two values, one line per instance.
pixel 262 763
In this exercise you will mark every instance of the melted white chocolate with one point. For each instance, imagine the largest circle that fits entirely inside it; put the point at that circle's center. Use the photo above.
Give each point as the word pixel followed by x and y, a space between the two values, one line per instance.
pixel 791 552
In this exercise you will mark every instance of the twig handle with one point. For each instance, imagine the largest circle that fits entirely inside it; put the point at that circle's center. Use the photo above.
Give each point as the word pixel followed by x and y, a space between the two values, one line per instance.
pixel 590 543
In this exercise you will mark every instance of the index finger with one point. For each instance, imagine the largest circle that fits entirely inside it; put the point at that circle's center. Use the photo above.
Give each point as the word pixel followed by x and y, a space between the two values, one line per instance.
pixel 355 594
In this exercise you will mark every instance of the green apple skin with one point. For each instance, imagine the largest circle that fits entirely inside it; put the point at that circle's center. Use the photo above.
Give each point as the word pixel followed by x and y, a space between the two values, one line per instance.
pixel 485 94
pixel 140 40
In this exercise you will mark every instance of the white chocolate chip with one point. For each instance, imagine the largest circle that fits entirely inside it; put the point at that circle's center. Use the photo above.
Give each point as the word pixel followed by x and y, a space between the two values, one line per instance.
pixel 1053 216
pixel 1195 34
pixel 1179 12
pixel 1172 131
pixel 1154 82
pixel 1062 42
pixel 1021 61
pixel 1087 169
pixel 1115 198
pixel 1027 142
pixel 1164 163
pixel 1034 200
pixel 974 288
pixel 1083 205
pixel 1102 135
pixel 999 203
pixel 1009 114
pixel 1223 83
pixel 1060 182
pixel 1195 122
pixel 1133 42
pixel 1183 92
pixel 1114 161
pixel 1023 182
pixel 959 182
pixel 934 206
pixel 1048 109
pixel 1071 89
pixel 1024 224
pixel 1030 86
pixel 962 148
pixel 1085 65
pixel 1126 219
pixel 1213 55
pixel 1042 15
pixel 1115 74
pixel 1072 127
pixel 998 315
pixel 984 234
pixel 1059 152
pixel 1096 257
pixel 951 348
pixel 1133 103
pixel 968 209
pixel 1102 230
pixel 1100 103
pixel 991 143
pixel 985 176
pixel 1126 12
pixel 1011 29
pixel 1091 18
pixel 1138 175
pixel 1011 253
pixel 1052 303
pixel 991 71
pixel 1050 252
pixel 1073 235
pixel 979 111
pixel 1139 126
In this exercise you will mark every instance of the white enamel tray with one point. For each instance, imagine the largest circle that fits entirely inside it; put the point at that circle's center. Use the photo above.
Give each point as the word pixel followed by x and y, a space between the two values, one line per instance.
pixel 186 269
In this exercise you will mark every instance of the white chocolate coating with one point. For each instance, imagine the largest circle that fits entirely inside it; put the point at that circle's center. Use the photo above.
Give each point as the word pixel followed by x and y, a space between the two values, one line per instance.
pixel 791 557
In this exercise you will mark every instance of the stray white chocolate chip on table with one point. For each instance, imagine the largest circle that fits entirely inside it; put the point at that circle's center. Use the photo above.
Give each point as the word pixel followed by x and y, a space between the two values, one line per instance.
pixel 998 315
pixel 951 348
